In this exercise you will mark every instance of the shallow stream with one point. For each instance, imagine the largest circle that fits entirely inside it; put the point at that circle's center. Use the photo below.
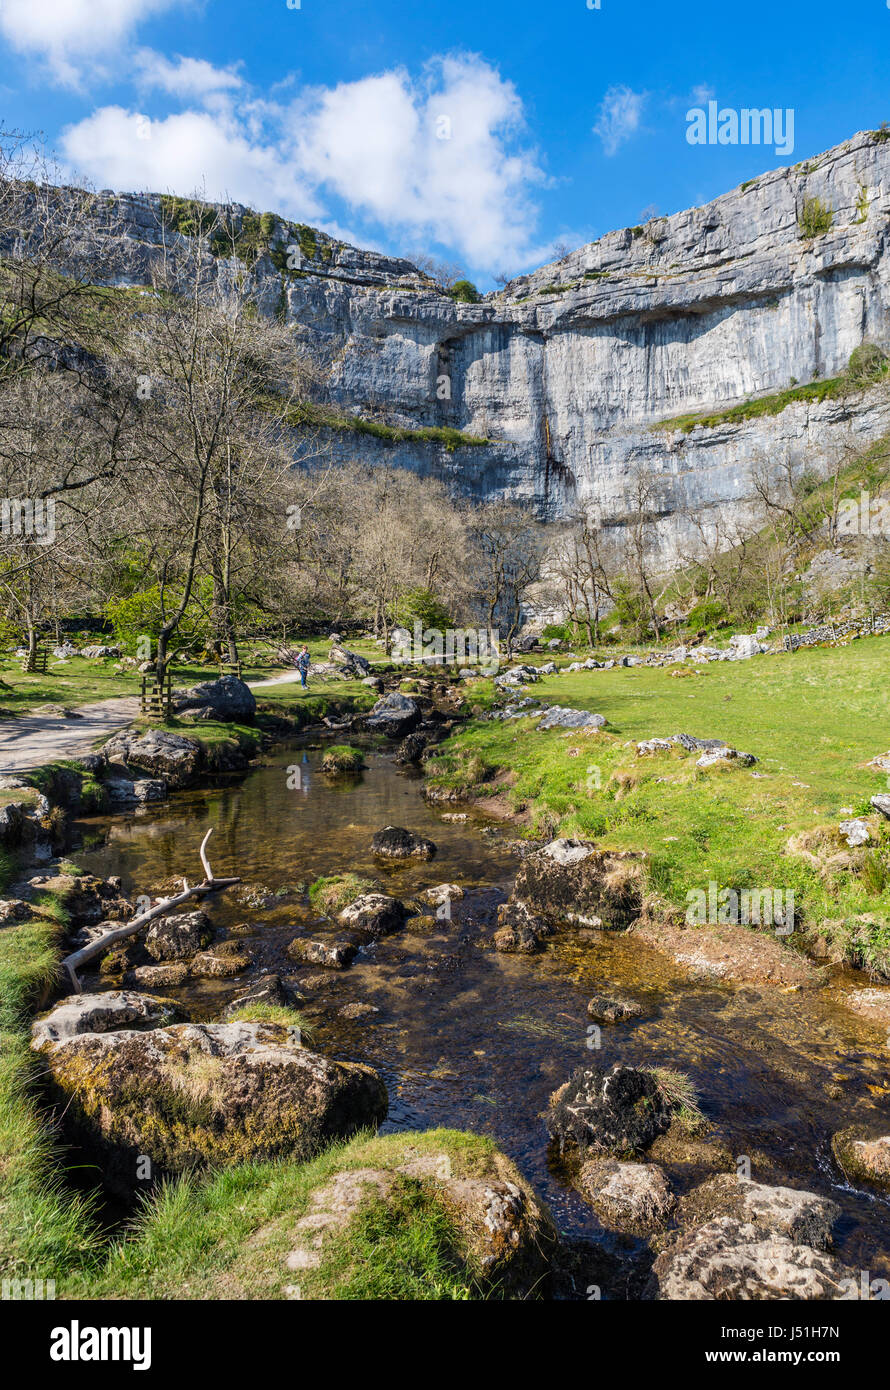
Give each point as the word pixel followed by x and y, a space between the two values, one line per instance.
pixel 469 1038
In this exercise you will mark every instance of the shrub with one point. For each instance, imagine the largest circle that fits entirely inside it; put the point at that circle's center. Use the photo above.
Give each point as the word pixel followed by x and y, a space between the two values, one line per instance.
pixel 708 613
pixel 421 605
pixel 815 218
pixel 465 291
pixel 867 363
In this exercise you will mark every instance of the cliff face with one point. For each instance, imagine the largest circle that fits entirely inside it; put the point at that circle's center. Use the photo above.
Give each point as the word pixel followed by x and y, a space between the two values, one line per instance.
pixel 565 373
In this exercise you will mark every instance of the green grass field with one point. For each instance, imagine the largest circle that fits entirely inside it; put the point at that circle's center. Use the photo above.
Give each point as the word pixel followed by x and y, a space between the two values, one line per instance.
pixel 811 718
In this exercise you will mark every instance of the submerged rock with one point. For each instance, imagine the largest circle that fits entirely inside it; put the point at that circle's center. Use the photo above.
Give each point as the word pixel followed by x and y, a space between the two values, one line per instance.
pixel 196 1094
pixel 519 931
pixel 394 842
pixel 610 1008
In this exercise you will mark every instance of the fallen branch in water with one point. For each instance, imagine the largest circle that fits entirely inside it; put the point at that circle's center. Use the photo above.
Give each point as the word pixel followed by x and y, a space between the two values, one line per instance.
pixel 95 948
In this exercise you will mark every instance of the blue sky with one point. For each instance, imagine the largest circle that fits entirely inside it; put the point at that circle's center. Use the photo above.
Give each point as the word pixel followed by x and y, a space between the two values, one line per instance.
pixel 484 134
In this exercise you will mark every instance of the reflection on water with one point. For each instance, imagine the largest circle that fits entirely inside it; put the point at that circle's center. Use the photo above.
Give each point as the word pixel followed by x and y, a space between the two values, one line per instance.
pixel 469 1038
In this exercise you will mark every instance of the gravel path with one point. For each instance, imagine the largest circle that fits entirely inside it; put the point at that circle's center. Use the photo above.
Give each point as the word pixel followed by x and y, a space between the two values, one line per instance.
pixel 34 739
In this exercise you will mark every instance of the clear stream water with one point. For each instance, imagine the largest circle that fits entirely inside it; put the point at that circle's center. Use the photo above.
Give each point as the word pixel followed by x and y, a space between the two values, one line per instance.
pixel 469 1038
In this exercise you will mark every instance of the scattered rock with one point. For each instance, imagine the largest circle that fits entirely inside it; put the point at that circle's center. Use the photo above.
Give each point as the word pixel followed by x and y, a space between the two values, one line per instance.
pixel 728 1259
pixel 375 914
pixel 157 976
pixel 881 803
pixel 268 989
pixel 228 700
pixel 863 1159
pixel 571 881
pixel 558 717
pixel 519 931
pixel 411 749
pixel 395 715
pixel 178 936
pixel 358 1010
pixel 855 832
pixel 615 1110
pixel 803 1217
pixel 394 842
pixel 634 1197
pixel 219 963
pixel 101 1013
pixel 335 955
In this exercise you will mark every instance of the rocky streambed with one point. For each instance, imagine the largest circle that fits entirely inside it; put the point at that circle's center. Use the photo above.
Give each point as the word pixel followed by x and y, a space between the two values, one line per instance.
pixel 478 981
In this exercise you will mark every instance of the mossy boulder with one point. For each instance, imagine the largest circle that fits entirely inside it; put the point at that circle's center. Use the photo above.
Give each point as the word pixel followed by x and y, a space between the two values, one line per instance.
pixel 342 759
pixel 863 1158
pixel 373 914
pixel 178 936
pixel 102 1013
pixel 571 881
pixel 615 1110
pixel 194 1095
pixel 472 1225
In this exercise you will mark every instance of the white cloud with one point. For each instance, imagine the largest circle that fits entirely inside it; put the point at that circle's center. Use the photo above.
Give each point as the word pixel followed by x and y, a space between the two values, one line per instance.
pixel 71 35
pixel 186 77
pixel 619 117
pixel 190 152
pixel 434 159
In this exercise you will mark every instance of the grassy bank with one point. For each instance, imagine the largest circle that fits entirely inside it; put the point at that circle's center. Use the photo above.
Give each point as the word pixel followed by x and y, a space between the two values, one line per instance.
pixel 46 1232
pixel 812 718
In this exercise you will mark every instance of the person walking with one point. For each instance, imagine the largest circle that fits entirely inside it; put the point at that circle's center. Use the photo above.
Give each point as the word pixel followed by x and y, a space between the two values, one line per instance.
pixel 303 664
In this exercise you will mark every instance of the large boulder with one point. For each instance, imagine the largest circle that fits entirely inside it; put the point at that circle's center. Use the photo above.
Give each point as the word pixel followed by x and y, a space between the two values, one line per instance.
pixel 102 1013
pixel 394 842
pixel 574 882
pixel 179 936
pixel 615 1110
pixel 171 758
pixel 804 1217
pixel 730 1260
pixel 395 715
pixel 198 1094
pixel 228 700
pixel 559 717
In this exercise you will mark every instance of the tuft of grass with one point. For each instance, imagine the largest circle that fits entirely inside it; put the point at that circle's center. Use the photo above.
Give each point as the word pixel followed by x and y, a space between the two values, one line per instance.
pixel 337 891
pixel 271 1013
pixel 341 757
pixel 680 1094
pixel 815 218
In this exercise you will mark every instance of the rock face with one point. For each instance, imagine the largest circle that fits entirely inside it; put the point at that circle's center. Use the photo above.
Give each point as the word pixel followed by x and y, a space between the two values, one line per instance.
pixel 178 936
pixel 197 1094
pixel 102 1013
pixel 227 699
pixel 616 1110
pixel 394 842
pixel 561 375
pixel 570 881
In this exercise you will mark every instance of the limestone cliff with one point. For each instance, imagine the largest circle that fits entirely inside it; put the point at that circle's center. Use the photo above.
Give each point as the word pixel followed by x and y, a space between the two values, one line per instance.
pixel 567 373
